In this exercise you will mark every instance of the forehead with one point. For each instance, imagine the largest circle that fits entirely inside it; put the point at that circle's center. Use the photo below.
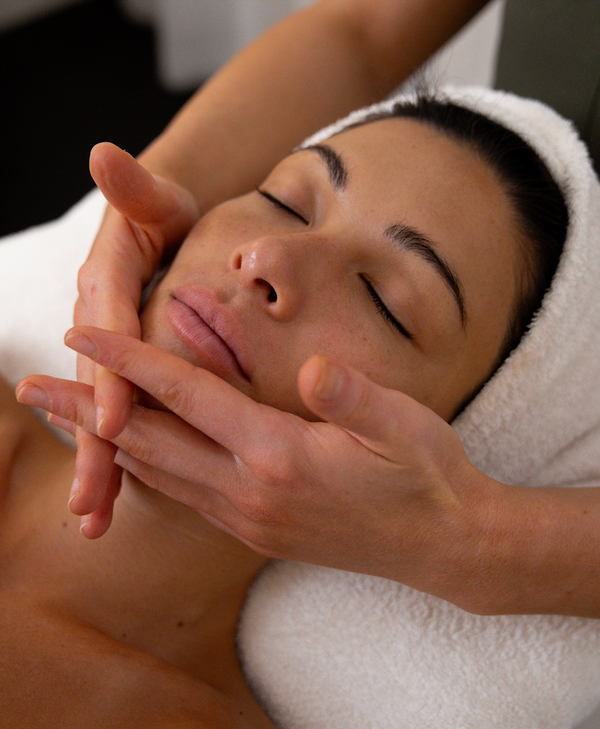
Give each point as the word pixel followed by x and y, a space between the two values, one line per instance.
pixel 408 169
pixel 401 155
pixel 402 170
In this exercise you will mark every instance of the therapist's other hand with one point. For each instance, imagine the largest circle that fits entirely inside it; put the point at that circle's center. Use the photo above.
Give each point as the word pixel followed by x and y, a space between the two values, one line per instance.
pixel 382 486
pixel 146 217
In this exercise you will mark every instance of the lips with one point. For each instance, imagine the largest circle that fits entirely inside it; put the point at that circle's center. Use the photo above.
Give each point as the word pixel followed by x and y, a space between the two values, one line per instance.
pixel 208 331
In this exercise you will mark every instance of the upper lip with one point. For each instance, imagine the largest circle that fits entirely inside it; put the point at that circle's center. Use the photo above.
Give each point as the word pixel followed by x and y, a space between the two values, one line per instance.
pixel 219 318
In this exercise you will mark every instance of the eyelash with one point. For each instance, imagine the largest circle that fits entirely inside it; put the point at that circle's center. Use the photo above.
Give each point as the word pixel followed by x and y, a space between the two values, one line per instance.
pixel 380 306
pixel 282 206
pixel 383 310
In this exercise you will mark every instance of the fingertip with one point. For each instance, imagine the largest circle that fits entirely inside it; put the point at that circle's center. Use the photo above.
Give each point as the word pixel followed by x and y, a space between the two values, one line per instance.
pixel 98 148
pixel 97 522
pixel 30 394
pixel 20 389
pixel 109 427
pixel 98 161
pixel 77 340
pixel 95 525
pixel 113 399
pixel 322 379
pixel 23 388
pixel 78 506
pixel 100 154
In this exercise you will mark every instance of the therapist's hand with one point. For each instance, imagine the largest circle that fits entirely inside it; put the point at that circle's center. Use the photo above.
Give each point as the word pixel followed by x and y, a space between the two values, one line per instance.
pixel 382 487
pixel 146 217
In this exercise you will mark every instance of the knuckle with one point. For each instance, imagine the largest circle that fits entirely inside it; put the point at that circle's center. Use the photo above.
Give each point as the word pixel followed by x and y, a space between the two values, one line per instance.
pixel 70 410
pixel 87 280
pixel 275 466
pixel 363 407
pixel 136 447
pixel 177 396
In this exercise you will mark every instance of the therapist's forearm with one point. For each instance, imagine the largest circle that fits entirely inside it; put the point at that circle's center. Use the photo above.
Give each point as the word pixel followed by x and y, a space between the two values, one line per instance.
pixel 308 70
pixel 530 550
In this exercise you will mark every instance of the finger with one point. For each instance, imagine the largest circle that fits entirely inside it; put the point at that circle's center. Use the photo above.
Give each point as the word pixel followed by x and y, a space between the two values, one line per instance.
pixel 62 423
pixel 60 397
pixel 145 199
pixel 201 499
pixel 116 308
pixel 159 439
pixel 86 370
pixel 94 464
pixel 210 504
pixel 377 416
pixel 113 399
pixel 148 214
pixel 97 523
pixel 94 472
pixel 110 281
pixel 196 395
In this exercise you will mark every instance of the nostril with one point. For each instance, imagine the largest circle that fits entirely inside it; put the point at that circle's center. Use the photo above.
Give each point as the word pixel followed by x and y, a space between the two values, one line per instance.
pixel 268 289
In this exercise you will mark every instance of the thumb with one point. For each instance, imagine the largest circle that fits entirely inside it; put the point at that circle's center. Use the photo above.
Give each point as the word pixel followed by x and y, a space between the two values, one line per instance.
pixel 377 416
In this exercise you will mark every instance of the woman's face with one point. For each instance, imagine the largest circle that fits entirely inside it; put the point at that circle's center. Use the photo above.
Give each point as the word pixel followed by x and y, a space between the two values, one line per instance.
pixel 390 247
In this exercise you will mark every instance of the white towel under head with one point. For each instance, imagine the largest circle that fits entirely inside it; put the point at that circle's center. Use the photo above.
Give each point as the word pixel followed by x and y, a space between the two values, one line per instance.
pixel 326 649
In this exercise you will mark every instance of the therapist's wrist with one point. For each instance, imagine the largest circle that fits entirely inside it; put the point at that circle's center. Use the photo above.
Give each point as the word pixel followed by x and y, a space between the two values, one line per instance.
pixel 469 557
pixel 487 565
pixel 526 550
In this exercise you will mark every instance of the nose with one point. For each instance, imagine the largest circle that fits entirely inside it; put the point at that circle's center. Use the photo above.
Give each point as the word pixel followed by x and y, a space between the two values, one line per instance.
pixel 272 268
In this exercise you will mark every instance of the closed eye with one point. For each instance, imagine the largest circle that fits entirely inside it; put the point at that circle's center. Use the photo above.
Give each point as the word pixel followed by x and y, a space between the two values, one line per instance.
pixel 281 205
pixel 383 310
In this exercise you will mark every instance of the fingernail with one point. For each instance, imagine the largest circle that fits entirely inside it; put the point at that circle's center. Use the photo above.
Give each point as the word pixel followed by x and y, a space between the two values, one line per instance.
pixel 330 382
pixel 82 344
pixel 61 423
pixel 34 396
pixel 99 419
pixel 74 490
pixel 83 524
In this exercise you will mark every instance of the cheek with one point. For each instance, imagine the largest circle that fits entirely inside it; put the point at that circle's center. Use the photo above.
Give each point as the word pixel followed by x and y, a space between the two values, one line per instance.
pixel 217 233
pixel 348 340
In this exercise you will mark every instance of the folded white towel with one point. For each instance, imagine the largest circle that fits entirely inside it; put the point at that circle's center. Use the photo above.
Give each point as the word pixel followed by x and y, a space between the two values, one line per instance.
pixel 38 289
pixel 326 649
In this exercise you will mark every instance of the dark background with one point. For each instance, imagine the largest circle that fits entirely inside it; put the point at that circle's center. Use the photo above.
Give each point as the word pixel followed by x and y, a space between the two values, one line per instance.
pixel 82 75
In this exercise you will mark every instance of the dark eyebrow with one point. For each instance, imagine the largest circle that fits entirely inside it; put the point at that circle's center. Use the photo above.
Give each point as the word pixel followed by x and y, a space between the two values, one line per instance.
pixel 403 235
pixel 410 239
pixel 336 169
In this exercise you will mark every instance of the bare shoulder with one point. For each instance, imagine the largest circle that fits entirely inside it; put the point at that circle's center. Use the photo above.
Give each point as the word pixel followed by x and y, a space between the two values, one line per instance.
pixel 8 402
pixel 65 674
pixel 24 440
pixel 13 425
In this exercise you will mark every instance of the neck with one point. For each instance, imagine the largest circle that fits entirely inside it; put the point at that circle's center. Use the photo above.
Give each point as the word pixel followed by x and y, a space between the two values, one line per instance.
pixel 162 579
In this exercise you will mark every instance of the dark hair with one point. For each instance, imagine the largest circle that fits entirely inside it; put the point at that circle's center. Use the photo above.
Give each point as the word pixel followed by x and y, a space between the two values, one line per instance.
pixel 541 213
